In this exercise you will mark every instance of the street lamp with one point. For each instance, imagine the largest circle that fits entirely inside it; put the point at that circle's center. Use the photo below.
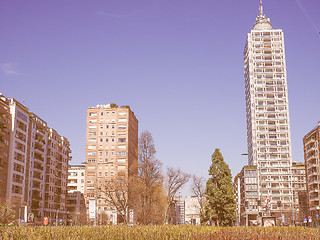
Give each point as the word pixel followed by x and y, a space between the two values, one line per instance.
pixel 57 215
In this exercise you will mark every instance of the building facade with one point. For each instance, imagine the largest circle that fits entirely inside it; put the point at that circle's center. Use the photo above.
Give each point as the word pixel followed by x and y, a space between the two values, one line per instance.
pixel 77 212
pixel 268 124
pixel 192 210
pixel 111 152
pixel 299 190
pixel 76 178
pixel 311 144
pixel 5 127
pixel 37 165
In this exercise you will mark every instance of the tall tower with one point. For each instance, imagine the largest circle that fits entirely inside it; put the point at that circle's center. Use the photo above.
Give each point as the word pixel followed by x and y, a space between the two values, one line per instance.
pixel 111 152
pixel 268 125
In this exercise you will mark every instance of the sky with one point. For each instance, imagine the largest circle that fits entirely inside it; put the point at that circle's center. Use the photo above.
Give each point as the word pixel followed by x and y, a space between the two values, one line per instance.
pixel 177 63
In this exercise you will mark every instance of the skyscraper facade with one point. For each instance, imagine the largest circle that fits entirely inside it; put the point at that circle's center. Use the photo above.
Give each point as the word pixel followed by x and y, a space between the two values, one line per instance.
pixel 268 124
pixel 111 150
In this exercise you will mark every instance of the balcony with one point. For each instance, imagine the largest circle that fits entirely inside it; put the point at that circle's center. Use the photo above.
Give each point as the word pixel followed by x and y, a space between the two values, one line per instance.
pixel 312 181
pixel 38 147
pixel 38 167
pixel 314 198
pixel 313 173
pixel 311 140
pixel 38 157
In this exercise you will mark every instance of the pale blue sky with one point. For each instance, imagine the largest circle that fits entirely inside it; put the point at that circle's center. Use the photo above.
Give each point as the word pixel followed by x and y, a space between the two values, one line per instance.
pixel 177 63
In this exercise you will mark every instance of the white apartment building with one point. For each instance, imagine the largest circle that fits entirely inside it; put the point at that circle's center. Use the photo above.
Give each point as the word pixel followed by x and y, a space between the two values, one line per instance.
pixel 76 178
pixel 192 210
pixel 268 124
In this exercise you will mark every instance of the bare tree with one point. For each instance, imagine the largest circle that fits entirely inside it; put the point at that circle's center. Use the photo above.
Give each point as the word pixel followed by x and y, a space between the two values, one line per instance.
pixel 198 188
pixel 116 193
pixel 7 214
pixel 149 197
pixel 175 179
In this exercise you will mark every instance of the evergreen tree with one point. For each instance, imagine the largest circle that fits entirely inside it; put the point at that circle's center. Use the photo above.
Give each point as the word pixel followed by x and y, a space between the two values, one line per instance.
pixel 220 207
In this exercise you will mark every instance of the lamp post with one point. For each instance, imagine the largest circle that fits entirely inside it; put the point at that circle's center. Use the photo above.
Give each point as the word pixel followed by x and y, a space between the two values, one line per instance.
pixel 57 215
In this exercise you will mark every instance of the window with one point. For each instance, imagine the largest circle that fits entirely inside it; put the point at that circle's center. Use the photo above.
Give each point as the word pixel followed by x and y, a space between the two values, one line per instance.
pixel 122 120
pixel 122 139
pixel 93 114
pixel 122 153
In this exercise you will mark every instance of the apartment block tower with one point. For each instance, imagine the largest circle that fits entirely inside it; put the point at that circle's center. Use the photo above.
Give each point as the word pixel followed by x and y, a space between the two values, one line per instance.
pixel 311 145
pixel 268 125
pixel 111 150
pixel 37 164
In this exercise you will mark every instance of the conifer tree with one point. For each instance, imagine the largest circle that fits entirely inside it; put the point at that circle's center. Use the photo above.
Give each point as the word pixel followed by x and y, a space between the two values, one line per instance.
pixel 220 207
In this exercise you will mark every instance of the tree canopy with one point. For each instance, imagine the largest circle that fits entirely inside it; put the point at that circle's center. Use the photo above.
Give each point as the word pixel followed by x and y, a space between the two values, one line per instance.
pixel 220 207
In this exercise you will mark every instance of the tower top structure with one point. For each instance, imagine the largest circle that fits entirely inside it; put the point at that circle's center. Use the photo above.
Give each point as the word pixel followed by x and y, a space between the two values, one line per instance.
pixel 262 22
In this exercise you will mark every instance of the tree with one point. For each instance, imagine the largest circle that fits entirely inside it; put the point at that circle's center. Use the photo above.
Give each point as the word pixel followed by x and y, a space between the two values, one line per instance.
pixel 198 189
pixel 220 206
pixel 148 197
pixel 175 179
pixel 7 214
pixel 116 193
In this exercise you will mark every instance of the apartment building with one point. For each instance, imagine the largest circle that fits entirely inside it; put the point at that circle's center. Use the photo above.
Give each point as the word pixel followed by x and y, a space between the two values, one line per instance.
pixel 311 145
pixel 192 210
pixel 77 212
pixel 37 166
pixel 268 124
pixel 251 206
pixel 249 199
pixel 76 178
pixel 5 127
pixel 111 151
pixel 299 189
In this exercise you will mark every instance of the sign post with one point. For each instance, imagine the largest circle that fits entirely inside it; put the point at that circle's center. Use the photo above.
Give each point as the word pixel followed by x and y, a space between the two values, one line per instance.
pixel 92 208
pixel 45 221
pixel 30 217
pixel 131 216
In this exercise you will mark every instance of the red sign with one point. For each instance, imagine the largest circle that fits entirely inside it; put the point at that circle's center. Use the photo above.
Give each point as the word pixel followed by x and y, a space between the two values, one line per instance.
pixel 70 220
pixel 45 221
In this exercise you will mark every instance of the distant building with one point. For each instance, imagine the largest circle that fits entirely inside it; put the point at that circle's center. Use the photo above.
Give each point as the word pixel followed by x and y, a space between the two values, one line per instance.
pixel 37 166
pixel 192 210
pixel 76 178
pixel 111 151
pixel 76 207
pixel 299 189
pixel 77 212
pixel 247 196
pixel 311 144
